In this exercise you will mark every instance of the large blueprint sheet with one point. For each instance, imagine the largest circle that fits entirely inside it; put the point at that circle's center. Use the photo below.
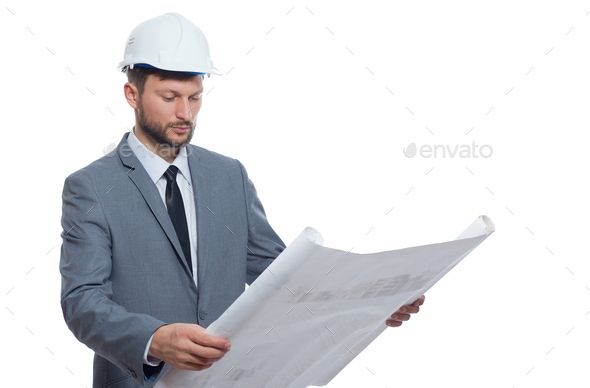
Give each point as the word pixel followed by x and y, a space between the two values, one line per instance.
pixel 315 308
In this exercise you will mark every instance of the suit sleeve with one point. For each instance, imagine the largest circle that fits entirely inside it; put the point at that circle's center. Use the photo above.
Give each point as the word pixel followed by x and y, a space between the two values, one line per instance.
pixel 264 245
pixel 86 294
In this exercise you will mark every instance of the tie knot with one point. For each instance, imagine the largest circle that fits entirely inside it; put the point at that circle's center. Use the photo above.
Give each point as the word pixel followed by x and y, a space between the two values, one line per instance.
pixel 170 173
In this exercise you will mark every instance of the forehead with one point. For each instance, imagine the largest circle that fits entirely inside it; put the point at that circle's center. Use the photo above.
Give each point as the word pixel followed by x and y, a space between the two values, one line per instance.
pixel 190 85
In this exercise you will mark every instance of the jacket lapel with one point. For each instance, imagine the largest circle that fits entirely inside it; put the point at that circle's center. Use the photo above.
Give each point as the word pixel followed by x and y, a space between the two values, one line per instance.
pixel 149 191
pixel 201 181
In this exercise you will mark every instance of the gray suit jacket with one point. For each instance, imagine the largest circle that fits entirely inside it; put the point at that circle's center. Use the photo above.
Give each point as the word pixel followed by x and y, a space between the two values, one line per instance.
pixel 123 270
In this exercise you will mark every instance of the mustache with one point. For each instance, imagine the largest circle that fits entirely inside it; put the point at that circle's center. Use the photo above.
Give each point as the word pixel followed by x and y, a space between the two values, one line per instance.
pixel 182 124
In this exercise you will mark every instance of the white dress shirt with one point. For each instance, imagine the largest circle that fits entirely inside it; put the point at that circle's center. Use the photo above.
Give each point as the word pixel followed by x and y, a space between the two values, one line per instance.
pixel 156 167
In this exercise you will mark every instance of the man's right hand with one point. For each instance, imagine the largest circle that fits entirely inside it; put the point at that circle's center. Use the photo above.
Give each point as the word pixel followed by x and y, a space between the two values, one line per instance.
pixel 187 346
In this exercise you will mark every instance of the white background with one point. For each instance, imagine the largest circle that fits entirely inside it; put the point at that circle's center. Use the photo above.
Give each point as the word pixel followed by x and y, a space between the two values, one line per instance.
pixel 318 100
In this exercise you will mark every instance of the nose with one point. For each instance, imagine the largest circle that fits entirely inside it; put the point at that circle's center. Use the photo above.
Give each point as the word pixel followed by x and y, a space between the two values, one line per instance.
pixel 184 110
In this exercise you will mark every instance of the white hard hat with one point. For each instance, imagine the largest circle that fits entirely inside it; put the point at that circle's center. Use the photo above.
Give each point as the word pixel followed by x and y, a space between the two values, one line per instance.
pixel 168 42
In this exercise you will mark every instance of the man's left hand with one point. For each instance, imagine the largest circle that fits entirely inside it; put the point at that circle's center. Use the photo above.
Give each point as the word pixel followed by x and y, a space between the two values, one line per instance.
pixel 403 314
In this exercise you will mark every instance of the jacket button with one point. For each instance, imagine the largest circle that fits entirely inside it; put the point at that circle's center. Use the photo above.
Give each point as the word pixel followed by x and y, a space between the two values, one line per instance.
pixel 202 315
pixel 132 373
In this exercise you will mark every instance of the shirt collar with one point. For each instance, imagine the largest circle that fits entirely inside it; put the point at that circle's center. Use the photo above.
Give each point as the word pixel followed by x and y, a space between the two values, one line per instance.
pixel 154 164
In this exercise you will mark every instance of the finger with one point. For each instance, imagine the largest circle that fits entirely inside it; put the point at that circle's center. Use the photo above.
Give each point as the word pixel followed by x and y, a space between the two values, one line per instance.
pixel 200 360
pixel 419 301
pixel 199 337
pixel 187 361
pixel 393 323
pixel 400 317
pixel 409 309
pixel 204 352
pixel 191 360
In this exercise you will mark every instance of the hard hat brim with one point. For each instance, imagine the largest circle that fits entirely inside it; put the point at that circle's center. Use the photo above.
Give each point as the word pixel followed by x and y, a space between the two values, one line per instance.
pixel 123 66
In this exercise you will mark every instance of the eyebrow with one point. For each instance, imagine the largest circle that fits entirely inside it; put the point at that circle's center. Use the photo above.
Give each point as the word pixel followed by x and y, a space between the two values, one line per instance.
pixel 176 93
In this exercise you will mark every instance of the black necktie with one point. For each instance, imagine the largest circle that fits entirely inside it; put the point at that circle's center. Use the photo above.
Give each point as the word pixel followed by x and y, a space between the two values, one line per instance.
pixel 176 212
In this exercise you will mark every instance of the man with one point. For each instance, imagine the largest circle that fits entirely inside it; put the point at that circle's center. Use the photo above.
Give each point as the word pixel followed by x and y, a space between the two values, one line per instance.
pixel 160 236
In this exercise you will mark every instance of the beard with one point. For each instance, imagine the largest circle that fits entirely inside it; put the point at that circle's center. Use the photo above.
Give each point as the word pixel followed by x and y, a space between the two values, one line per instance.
pixel 159 133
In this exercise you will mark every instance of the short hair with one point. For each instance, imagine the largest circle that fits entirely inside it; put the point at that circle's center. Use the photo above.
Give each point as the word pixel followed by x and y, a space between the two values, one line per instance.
pixel 138 75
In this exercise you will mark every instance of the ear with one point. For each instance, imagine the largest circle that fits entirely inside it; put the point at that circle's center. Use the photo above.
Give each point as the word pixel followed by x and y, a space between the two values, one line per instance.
pixel 131 94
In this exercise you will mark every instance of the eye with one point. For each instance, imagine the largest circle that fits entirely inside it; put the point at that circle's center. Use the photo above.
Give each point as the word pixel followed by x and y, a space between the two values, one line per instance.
pixel 197 98
pixel 168 99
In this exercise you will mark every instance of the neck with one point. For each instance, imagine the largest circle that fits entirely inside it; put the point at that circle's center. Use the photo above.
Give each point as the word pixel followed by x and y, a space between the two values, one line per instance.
pixel 165 151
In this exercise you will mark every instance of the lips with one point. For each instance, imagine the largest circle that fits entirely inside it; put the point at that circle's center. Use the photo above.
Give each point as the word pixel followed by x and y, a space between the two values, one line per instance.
pixel 181 129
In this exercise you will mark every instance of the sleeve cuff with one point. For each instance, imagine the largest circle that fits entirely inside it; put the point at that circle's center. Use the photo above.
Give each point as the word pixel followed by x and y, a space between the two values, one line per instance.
pixel 147 359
